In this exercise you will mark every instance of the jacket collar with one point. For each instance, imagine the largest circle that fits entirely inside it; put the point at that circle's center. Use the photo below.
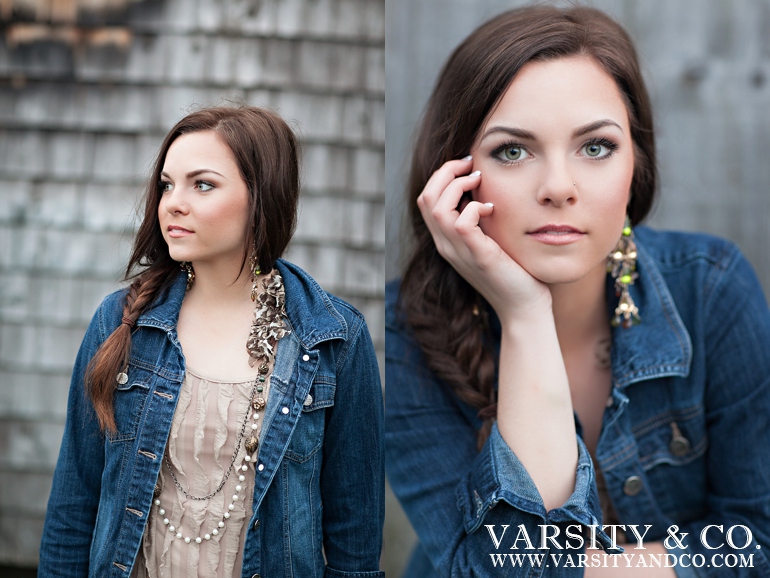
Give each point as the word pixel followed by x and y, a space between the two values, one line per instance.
pixel 312 315
pixel 660 345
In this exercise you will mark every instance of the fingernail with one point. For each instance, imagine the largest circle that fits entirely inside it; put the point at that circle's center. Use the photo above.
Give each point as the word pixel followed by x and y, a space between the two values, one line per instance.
pixel 475 174
pixel 489 204
pixel 468 158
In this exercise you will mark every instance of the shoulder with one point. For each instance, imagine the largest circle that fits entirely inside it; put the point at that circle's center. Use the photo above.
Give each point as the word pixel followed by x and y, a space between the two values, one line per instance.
pixel 109 313
pixel 706 275
pixel 401 346
pixel 674 249
pixel 314 311
pixel 393 315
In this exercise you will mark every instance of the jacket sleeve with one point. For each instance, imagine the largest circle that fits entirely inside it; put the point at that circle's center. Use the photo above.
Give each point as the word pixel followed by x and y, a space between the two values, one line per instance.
pixel 353 476
pixel 473 512
pixel 737 342
pixel 74 500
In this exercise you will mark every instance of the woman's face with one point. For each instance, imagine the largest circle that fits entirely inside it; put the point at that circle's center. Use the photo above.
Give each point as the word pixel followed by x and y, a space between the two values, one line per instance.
pixel 203 209
pixel 556 160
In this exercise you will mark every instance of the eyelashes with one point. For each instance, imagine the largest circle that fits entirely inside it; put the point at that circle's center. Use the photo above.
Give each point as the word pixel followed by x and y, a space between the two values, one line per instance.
pixel 593 148
pixel 513 153
pixel 201 185
pixel 510 153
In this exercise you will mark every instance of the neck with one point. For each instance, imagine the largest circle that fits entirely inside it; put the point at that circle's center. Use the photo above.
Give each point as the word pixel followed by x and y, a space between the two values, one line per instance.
pixel 580 310
pixel 223 282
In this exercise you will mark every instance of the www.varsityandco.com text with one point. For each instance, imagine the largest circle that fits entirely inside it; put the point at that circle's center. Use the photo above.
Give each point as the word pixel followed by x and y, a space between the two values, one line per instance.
pixel 550 547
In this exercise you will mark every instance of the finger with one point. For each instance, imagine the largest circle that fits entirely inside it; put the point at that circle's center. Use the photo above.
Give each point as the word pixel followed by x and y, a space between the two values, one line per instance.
pixel 444 210
pixel 467 228
pixel 441 219
pixel 441 178
pixel 449 200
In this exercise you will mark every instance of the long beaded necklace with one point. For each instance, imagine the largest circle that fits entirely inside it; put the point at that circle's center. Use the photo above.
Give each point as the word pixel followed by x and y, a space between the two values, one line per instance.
pixel 268 327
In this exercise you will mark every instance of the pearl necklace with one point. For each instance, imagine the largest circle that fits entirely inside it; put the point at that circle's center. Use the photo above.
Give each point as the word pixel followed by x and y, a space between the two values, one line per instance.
pixel 257 403
pixel 266 330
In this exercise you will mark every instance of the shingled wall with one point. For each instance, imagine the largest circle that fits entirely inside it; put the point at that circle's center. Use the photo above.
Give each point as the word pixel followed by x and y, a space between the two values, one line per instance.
pixel 84 105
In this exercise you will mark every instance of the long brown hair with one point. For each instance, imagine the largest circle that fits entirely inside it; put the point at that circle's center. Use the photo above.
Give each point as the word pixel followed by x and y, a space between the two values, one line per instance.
pixel 445 313
pixel 267 155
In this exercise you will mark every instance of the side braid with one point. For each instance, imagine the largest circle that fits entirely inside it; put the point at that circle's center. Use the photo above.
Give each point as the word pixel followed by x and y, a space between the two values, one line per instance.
pixel 450 326
pixel 113 355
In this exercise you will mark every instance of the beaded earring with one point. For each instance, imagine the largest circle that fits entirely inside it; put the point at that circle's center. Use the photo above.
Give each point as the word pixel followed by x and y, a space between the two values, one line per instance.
pixel 621 264
pixel 255 273
pixel 187 266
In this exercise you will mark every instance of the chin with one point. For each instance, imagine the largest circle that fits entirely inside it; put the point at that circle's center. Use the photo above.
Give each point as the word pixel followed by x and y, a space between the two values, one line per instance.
pixel 181 256
pixel 558 272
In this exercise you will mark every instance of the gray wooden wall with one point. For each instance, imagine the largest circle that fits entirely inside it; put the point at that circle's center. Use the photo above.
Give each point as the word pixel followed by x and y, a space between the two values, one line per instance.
pixel 707 67
pixel 79 125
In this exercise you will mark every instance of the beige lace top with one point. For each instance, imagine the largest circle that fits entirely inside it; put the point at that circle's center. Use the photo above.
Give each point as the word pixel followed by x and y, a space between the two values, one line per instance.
pixel 204 430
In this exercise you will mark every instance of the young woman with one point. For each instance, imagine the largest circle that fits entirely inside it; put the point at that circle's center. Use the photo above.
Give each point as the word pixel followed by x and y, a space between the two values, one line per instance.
pixel 552 369
pixel 224 419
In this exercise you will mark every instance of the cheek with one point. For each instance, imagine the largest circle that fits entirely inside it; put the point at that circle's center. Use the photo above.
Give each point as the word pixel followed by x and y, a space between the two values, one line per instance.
pixel 162 212
pixel 228 219
pixel 505 224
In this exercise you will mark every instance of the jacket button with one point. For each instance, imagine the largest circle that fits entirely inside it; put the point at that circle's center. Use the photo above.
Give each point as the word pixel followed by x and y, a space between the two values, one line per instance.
pixel 679 445
pixel 306 357
pixel 257 524
pixel 632 485
pixel 308 400
pixel 256 576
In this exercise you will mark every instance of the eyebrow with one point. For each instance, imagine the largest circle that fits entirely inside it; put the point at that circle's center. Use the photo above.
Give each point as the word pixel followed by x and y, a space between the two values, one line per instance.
pixel 592 126
pixel 525 134
pixel 194 174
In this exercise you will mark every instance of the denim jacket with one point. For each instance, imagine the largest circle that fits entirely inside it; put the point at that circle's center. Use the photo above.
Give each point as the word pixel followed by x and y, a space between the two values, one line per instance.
pixel 685 438
pixel 318 504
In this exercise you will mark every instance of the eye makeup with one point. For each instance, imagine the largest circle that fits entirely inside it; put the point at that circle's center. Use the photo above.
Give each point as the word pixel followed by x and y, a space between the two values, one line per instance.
pixel 513 152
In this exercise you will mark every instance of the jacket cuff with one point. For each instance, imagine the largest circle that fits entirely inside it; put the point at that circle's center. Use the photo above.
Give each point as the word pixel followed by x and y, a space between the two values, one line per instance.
pixel 497 474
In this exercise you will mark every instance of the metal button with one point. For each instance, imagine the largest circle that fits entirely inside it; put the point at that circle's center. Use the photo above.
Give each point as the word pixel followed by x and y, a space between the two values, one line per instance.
pixel 632 486
pixel 284 410
pixel 308 400
pixel 257 524
pixel 609 401
pixel 679 445
pixel 256 576
pixel 261 467
pixel 306 357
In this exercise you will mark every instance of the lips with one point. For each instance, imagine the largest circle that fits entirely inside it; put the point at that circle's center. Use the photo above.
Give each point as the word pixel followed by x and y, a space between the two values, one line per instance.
pixel 177 231
pixel 556 234
pixel 556 230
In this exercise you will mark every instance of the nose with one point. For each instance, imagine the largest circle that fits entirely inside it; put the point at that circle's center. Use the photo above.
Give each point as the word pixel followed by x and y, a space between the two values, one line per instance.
pixel 173 202
pixel 558 187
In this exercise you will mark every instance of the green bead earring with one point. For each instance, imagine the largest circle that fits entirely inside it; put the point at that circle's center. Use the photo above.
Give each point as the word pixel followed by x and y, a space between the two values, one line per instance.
pixel 621 264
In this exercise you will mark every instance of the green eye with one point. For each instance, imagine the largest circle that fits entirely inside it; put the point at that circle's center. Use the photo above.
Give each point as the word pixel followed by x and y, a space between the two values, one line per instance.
pixel 512 153
pixel 593 149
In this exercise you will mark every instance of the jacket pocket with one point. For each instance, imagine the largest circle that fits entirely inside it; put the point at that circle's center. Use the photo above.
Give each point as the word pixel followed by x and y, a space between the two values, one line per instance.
pixel 308 435
pixel 128 402
pixel 675 438
pixel 672 449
